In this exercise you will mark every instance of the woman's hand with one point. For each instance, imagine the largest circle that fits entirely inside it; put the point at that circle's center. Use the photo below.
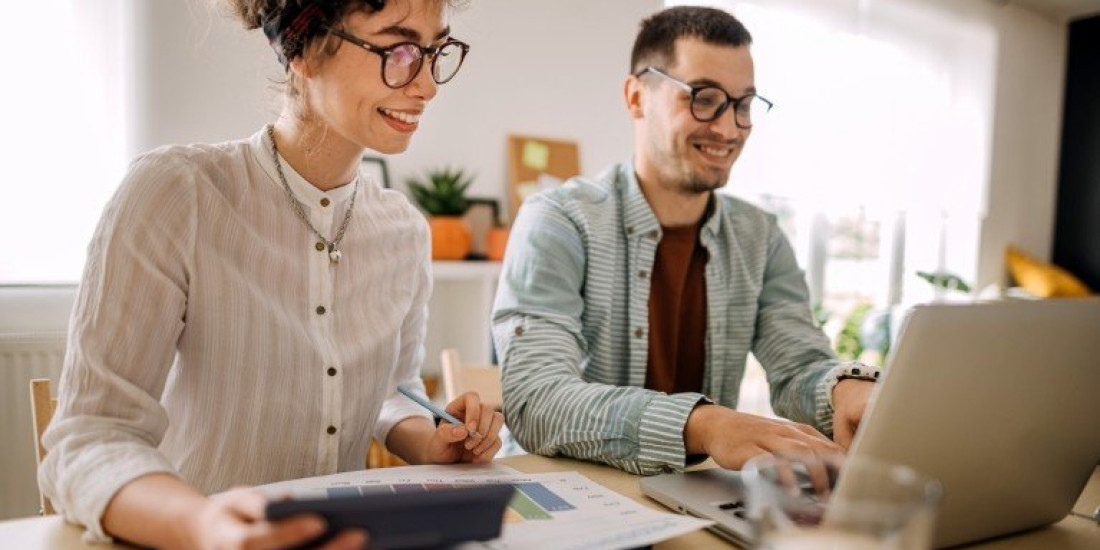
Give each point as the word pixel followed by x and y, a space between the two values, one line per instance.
pixel 234 520
pixel 450 443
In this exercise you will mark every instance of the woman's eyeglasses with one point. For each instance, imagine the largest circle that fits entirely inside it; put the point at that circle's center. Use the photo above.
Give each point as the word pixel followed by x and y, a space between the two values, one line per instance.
pixel 402 62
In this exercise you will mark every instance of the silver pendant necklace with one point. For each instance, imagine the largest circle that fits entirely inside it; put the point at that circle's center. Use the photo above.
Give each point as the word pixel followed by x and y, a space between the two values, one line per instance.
pixel 334 253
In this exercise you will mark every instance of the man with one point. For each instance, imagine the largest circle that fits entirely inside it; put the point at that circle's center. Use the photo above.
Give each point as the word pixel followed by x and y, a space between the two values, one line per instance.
pixel 629 302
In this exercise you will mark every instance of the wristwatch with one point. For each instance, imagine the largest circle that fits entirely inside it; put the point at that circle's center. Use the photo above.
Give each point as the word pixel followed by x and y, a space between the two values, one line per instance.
pixel 850 371
pixel 858 371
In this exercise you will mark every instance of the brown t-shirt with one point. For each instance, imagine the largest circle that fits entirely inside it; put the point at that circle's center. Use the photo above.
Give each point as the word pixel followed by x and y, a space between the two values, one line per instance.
pixel 677 312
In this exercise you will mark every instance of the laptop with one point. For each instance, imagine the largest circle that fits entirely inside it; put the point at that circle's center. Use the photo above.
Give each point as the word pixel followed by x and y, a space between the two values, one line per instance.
pixel 998 401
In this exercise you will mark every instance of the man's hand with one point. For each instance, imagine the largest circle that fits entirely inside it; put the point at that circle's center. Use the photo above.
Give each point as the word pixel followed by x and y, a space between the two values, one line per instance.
pixel 731 438
pixel 234 520
pixel 450 443
pixel 850 399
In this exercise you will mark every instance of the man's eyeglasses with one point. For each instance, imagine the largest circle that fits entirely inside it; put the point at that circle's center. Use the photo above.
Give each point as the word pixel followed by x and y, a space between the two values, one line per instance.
pixel 709 102
pixel 402 62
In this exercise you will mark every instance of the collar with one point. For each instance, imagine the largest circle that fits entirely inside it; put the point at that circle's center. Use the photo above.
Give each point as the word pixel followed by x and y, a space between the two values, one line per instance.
pixel 260 146
pixel 638 216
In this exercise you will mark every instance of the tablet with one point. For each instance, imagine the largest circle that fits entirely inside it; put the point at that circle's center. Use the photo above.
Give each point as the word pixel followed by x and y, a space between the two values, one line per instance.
pixel 395 521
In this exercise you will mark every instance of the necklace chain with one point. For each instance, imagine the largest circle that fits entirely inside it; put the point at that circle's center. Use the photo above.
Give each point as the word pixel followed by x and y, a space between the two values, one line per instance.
pixel 333 245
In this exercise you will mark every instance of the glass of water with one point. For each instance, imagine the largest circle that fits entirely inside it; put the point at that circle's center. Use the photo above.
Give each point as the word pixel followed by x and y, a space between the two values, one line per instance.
pixel 817 502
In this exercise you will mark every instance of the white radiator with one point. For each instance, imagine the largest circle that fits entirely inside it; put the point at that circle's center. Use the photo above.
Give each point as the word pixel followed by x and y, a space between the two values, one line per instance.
pixel 32 345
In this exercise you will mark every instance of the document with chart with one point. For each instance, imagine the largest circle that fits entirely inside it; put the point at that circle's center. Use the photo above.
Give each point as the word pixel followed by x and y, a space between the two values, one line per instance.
pixel 561 510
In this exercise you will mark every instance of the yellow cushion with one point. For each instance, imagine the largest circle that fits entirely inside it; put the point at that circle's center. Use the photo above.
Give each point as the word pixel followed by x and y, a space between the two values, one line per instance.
pixel 1042 279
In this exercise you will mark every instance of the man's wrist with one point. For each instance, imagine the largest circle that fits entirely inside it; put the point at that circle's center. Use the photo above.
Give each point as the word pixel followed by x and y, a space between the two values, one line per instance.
pixel 696 429
pixel 848 371
pixel 846 386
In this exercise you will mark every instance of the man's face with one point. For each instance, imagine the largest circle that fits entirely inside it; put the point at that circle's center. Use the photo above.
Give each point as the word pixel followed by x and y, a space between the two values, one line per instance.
pixel 690 156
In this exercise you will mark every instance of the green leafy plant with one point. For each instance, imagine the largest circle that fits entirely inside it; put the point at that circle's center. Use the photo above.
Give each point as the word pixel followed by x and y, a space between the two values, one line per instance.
pixel 442 193
pixel 849 344
pixel 948 281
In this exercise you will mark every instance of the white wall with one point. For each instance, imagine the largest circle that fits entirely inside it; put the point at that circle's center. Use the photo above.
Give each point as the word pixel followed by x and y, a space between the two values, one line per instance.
pixel 551 69
pixel 196 75
pixel 545 68
pixel 1026 140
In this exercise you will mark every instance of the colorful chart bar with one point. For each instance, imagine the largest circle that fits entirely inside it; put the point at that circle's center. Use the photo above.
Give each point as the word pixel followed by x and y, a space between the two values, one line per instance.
pixel 545 498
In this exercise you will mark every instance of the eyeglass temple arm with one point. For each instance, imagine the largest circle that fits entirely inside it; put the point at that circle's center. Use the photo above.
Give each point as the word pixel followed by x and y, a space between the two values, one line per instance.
pixel 683 86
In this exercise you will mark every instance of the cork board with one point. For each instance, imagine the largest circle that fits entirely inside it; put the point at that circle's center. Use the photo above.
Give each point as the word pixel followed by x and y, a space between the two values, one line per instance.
pixel 536 164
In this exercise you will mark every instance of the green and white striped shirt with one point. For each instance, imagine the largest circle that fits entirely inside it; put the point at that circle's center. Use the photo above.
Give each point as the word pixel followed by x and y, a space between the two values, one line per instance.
pixel 571 324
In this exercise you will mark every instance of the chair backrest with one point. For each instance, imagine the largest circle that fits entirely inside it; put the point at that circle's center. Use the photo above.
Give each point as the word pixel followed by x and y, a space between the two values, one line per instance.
pixel 459 379
pixel 42 409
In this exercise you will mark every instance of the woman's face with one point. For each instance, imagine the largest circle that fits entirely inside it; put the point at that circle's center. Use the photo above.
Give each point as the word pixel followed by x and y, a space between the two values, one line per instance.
pixel 345 91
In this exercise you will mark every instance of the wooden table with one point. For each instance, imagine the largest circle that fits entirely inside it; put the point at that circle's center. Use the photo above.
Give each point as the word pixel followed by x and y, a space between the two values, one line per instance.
pixel 1072 533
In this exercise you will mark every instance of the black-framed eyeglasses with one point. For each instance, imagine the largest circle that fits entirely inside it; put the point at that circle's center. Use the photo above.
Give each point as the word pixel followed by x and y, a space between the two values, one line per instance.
pixel 401 62
pixel 709 102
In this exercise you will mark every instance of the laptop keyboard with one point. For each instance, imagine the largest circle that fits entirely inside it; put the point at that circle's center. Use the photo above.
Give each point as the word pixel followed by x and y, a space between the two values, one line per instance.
pixel 735 509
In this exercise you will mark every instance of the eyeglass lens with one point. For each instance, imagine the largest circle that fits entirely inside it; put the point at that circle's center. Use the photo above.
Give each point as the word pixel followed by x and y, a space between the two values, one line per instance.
pixel 709 103
pixel 403 64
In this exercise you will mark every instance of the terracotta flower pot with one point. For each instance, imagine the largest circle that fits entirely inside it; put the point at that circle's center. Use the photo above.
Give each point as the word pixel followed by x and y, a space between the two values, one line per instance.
pixel 497 243
pixel 450 238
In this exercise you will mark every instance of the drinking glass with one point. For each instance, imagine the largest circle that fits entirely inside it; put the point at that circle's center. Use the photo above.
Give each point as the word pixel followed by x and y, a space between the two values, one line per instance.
pixel 818 502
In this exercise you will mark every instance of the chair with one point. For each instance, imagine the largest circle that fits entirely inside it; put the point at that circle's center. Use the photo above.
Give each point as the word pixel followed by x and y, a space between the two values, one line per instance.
pixel 42 409
pixel 459 379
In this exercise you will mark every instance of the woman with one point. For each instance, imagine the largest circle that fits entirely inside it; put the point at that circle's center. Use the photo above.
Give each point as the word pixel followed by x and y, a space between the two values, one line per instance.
pixel 249 308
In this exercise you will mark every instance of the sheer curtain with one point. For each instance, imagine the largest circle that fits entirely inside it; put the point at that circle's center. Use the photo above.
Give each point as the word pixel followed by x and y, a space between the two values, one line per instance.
pixel 63 142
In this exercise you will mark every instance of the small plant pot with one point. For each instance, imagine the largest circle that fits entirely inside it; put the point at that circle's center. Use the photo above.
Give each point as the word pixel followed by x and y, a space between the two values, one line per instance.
pixel 497 243
pixel 451 238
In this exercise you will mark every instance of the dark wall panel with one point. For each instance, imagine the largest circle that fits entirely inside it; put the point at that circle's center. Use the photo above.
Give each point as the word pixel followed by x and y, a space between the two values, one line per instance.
pixel 1077 226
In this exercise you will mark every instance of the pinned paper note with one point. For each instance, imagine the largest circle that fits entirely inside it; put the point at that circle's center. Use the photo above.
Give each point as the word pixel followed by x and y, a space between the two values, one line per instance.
pixel 526 189
pixel 536 164
pixel 536 155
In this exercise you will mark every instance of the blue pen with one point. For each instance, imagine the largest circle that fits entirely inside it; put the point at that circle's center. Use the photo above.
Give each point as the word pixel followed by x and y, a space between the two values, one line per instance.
pixel 435 410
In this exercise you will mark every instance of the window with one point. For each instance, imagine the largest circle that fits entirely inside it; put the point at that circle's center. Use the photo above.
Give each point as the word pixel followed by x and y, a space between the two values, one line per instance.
pixel 875 159
pixel 879 142
pixel 62 139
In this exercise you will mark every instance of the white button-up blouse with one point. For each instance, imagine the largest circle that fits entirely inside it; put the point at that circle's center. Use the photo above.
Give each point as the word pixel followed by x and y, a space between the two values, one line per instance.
pixel 213 338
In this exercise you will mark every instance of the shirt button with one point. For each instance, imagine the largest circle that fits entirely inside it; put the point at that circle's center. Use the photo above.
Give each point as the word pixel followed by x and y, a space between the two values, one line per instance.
pixel 331 430
pixel 324 202
pixel 320 310
pixel 652 234
pixel 643 274
pixel 332 371
pixel 519 331
pixel 630 230
pixel 638 332
pixel 319 246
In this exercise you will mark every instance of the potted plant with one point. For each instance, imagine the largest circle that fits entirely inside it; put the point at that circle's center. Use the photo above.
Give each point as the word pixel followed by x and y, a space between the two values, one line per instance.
pixel 945 283
pixel 442 196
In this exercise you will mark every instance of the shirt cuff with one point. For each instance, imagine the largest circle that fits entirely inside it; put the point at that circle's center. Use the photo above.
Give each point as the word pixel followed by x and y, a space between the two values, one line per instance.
pixel 100 478
pixel 396 409
pixel 661 432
